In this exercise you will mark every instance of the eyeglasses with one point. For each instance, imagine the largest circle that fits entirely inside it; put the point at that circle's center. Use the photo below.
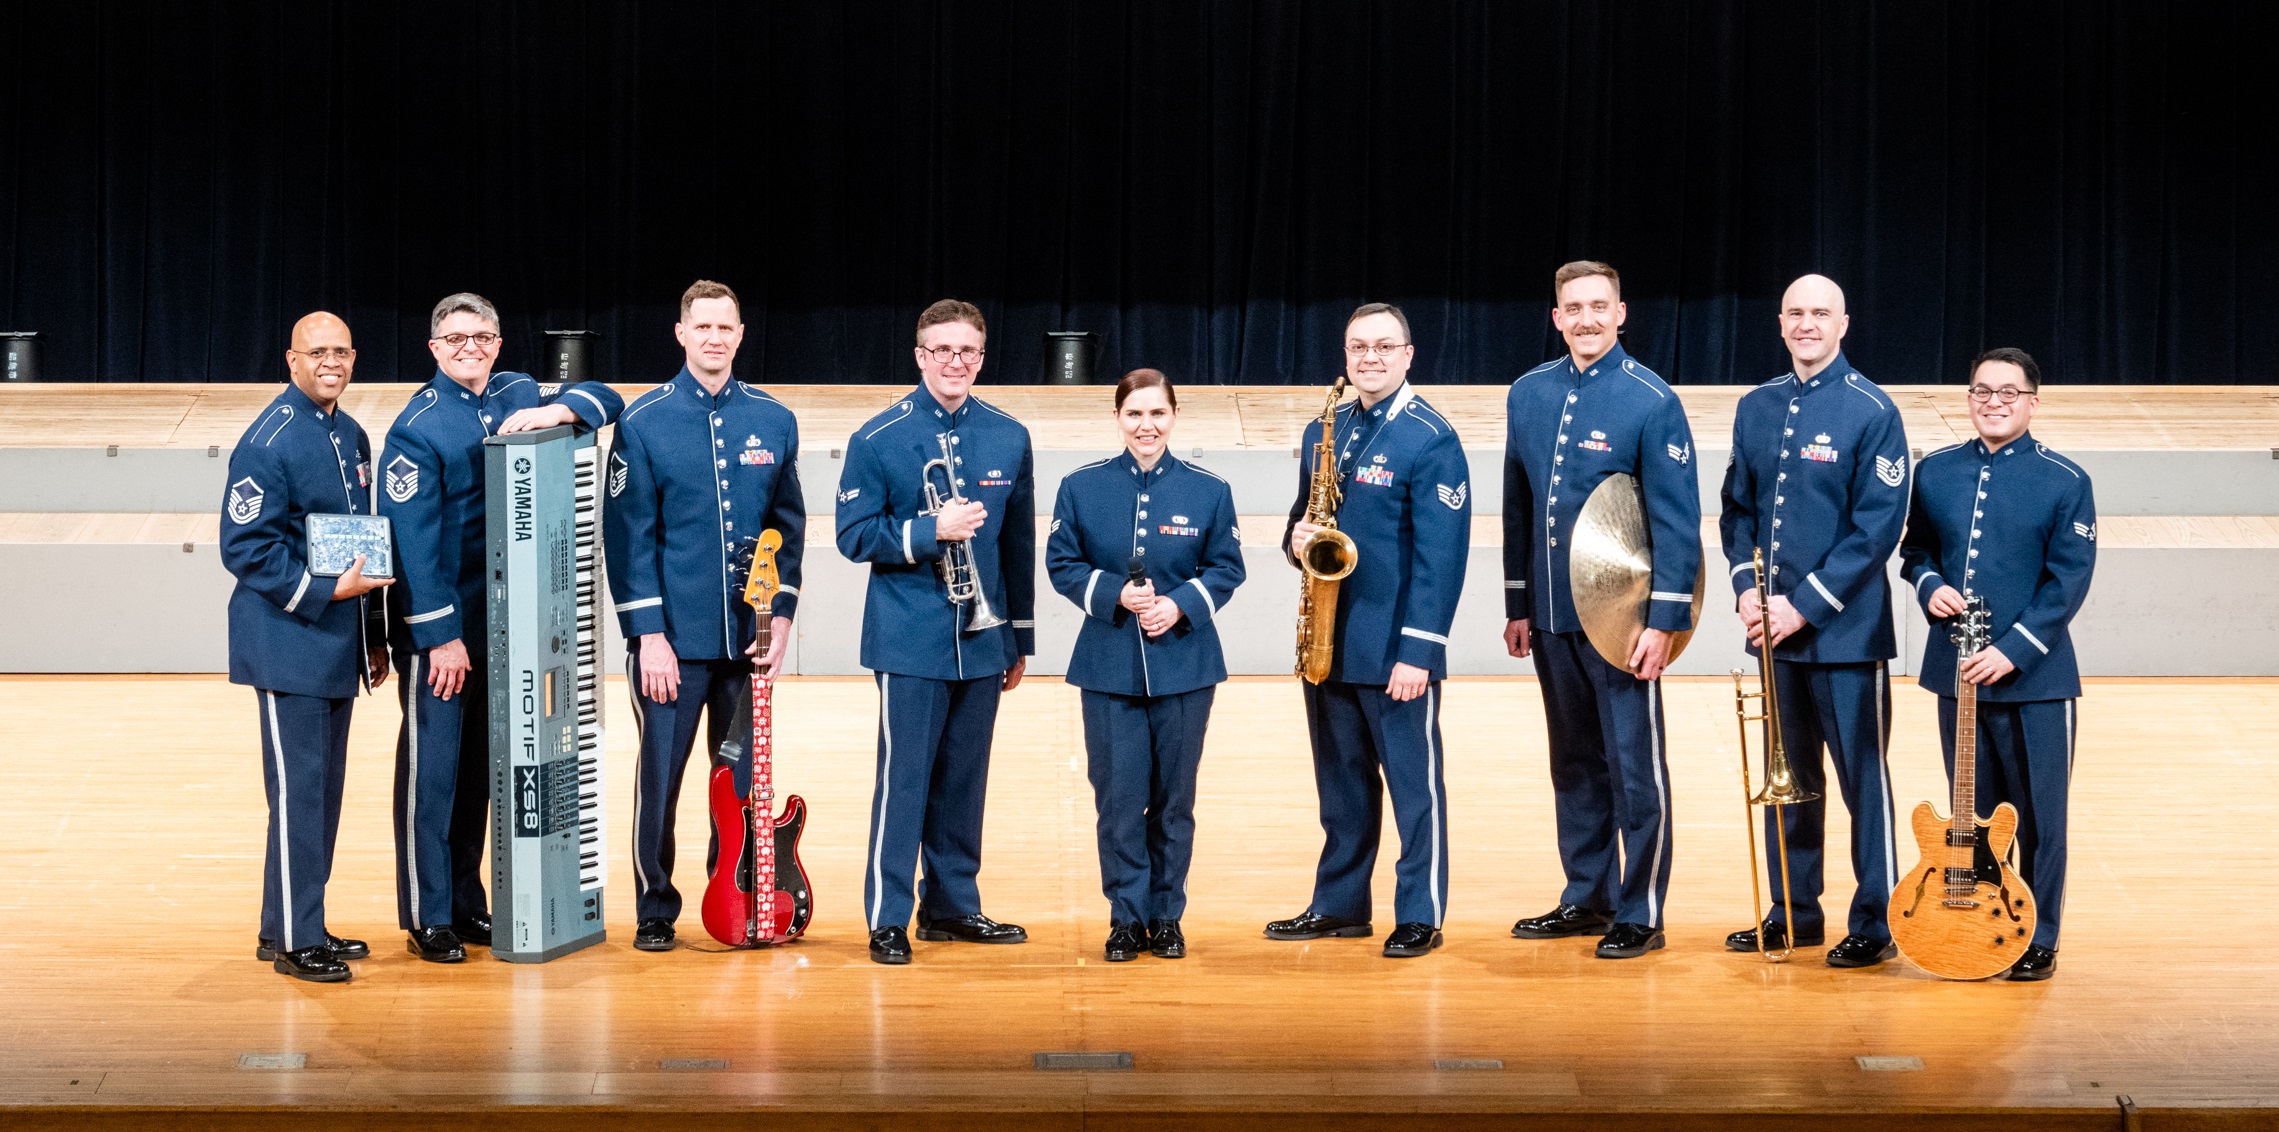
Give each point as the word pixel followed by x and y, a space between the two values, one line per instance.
pixel 322 352
pixel 484 340
pixel 2008 394
pixel 1380 350
pixel 943 355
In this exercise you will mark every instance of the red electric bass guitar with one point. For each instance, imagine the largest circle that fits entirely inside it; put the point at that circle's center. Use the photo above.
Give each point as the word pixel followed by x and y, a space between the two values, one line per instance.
pixel 758 894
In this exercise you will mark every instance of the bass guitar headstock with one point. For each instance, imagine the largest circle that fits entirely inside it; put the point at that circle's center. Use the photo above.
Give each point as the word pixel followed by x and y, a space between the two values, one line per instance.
pixel 755 559
pixel 1969 630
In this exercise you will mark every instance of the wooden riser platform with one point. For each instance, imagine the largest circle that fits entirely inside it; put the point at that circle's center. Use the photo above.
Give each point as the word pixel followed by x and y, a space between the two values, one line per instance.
pixel 132 825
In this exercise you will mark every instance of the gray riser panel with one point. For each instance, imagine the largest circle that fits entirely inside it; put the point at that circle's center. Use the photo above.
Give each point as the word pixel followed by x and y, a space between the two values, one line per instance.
pixel 94 607
pixel 2206 482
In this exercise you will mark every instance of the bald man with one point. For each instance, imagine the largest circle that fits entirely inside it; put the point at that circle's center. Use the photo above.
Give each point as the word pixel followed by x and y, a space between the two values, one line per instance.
pixel 305 643
pixel 1818 485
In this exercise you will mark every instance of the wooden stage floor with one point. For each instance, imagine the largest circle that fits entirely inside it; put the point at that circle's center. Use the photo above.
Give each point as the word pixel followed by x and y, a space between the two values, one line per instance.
pixel 131 828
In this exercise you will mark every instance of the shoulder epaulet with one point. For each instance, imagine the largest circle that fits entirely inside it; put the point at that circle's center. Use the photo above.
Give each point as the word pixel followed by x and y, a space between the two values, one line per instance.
pixel 1927 456
pixel 1867 389
pixel 887 419
pixel 1434 421
pixel 1206 471
pixel 652 397
pixel 759 394
pixel 2043 450
pixel 1646 377
pixel 1101 462
pixel 275 421
pixel 1544 368
pixel 419 404
pixel 979 403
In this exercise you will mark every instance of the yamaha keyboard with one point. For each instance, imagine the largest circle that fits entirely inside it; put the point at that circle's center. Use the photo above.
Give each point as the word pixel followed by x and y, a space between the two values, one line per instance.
pixel 542 498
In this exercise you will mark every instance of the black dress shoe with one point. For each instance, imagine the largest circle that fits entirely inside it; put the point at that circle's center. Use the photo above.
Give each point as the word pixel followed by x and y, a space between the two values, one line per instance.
pixel 1313 925
pixel 314 963
pixel 653 935
pixel 2036 964
pixel 1409 941
pixel 1629 941
pixel 975 928
pixel 1125 942
pixel 890 946
pixel 1563 921
pixel 473 931
pixel 437 945
pixel 1776 938
pixel 265 949
pixel 1164 940
pixel 1860 951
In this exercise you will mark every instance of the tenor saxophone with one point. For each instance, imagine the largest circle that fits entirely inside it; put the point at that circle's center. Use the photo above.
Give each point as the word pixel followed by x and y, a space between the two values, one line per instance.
pixel 1327 557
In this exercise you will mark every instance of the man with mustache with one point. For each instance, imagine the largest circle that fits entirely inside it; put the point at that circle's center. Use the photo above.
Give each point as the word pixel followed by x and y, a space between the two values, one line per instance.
pixel 1570 424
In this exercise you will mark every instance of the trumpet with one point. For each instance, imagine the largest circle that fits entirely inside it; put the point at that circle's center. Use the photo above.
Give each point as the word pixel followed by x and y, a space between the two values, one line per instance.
pixel 1327 557
pixel 959 577
pixel 1780 781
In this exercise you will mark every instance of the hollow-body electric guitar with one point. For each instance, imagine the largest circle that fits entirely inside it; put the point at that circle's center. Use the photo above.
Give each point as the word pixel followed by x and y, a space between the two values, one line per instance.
pixel 758 894
pixel 1963 913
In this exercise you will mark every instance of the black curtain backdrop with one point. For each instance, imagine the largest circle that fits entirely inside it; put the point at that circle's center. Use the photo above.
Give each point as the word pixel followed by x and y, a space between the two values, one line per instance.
pixel 1210 186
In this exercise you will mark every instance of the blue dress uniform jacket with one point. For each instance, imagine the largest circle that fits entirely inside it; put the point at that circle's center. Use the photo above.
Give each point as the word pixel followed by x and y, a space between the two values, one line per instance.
pixel 1179 521
pixel 1566 431
pixel 910 627
pixel 1408 507
pixel 2018 527
pixel 1818 481
pixel 692 478
pixel 286 634
pixel 431 489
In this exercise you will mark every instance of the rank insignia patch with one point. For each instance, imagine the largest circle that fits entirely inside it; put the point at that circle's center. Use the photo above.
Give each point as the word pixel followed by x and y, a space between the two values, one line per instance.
pixel 402 479
pixel 1454 497
pixel 245 498
pixel 617 473
pixel 1891 472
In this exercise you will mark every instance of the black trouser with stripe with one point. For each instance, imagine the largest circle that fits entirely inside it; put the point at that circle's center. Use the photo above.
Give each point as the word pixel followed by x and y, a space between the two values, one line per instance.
pixel 713 689
pixel 2025 758
pixel 443 796
pixel 304 760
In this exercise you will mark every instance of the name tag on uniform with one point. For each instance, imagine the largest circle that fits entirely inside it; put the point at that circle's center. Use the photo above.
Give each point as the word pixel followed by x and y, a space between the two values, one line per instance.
pixel 336 540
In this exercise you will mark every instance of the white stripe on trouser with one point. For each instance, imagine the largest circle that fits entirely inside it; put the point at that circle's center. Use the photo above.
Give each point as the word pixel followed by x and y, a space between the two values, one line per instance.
pixel 1432 786
pixel 411 796
pixel 1883 764
pixel 284 832
pixel 641 884
pixel 1661 801
pixel 885 790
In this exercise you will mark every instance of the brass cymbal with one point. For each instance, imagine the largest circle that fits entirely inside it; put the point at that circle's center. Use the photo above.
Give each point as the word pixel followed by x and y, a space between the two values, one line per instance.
pixel 1610 570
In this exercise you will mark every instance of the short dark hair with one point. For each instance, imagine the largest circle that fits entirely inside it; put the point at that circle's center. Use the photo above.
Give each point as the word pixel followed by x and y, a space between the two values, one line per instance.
pixel 1366 309
pixel 1144 378
pixel 707 289
pixel 951 310
pixel 2015 356
pixel 1581 268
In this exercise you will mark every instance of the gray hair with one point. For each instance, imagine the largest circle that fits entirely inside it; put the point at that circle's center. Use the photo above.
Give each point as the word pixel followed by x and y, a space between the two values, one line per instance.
pixel 468 301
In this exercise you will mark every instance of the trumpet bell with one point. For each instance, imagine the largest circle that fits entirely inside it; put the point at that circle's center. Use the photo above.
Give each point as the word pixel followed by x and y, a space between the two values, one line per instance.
pixel 983 616
pixel 1330 555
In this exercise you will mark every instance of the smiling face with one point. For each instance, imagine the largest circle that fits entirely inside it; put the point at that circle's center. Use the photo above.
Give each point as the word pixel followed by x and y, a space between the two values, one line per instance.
pixel 1813 322
pixel 468 363
pixel 1377 355
pixel 1588 314
pixel 322 358
pixel 1146 418
pixel 709 336
pixel 949 359
pixel 1999 424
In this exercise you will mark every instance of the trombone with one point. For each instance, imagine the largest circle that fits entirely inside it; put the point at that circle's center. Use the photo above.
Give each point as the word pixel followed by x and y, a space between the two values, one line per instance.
pixel 1780 779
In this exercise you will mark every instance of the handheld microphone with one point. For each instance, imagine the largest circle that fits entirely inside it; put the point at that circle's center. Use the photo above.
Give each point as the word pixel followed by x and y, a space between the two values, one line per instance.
pixel 1137 571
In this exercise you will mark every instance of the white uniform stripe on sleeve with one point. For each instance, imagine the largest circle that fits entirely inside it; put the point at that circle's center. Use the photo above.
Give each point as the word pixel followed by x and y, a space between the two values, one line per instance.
pixel 1207 602
pixel 1815 580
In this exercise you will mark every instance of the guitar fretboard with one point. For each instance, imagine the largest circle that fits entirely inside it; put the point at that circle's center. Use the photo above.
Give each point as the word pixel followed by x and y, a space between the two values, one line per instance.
pixel 1962 831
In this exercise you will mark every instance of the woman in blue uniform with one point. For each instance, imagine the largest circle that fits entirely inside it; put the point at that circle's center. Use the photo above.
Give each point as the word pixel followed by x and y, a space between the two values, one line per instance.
pixel 1146 545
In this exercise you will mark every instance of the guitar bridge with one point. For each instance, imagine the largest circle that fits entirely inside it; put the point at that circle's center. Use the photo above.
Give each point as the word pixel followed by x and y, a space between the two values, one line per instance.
pixel 1961 903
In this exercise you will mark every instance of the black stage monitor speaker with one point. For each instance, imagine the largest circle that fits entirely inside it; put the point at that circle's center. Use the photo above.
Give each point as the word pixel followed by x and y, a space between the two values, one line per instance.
pixel 1069 355
pixel 569 356
pixel 23 354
